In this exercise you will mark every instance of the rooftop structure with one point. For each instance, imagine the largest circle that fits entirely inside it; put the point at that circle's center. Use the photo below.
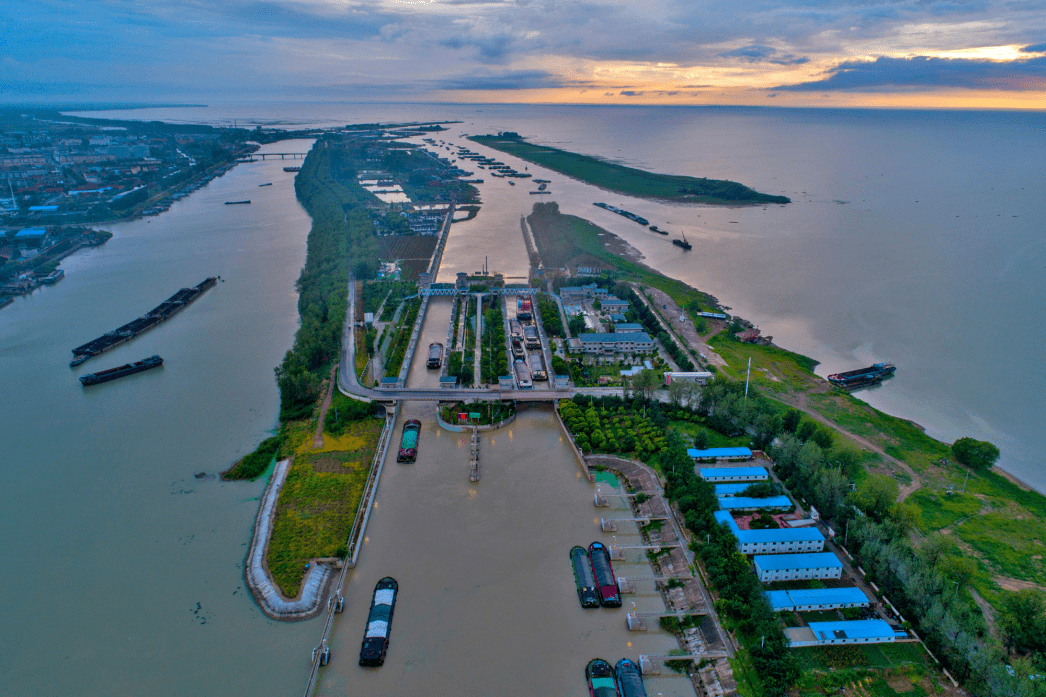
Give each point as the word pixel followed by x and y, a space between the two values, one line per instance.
pixel 728 474
pixel 627 326
pixel 817 599
pixel 845 632
pixel 775 541
pixel 743 503
pixel 737 489
pixel 612 303
pixel 30 233
pixel 797 567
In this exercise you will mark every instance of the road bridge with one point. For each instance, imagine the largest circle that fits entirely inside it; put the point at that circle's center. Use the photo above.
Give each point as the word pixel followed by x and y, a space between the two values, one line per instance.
pixel 273 155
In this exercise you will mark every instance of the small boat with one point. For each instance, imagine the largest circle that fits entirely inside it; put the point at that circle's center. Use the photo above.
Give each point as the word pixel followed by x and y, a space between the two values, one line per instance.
pixel 265 184
pixel 600 677
pixel 586 583
pixel 512 183
pixel 655 228
pixel 683 243
pixel 629 679
pixel 236 203
pixel 379 622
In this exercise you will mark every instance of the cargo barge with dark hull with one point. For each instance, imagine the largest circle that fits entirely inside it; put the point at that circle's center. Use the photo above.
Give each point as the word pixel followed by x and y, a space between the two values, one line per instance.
pixel 603 571
pixel 161 312
pixel 379 623
pixel 621 211
pixel 629 679
pixel 121 371
pixel 864 377
pixel 586 583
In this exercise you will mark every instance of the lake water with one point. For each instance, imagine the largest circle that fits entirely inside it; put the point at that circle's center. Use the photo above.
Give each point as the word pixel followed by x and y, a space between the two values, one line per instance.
pixel 913 236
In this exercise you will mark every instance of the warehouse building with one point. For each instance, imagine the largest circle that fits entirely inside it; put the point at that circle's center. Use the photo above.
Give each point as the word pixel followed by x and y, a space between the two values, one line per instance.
pixel 624 342
pixel 744 503
pixel 779 541
pixel 797 567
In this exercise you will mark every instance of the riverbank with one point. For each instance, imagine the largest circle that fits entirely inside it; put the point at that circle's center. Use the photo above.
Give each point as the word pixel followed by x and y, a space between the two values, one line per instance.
pixel 628 180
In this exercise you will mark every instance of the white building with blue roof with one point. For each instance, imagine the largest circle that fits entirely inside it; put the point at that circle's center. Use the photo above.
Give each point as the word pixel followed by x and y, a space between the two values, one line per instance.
pixel 844 632
pixel 779 541
pixel 720 475
pixel 814 599
pixel 797 567
pixel 616 342
pixel 723 490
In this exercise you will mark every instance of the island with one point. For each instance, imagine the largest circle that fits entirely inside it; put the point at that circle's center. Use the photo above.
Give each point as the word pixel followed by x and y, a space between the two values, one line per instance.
pixel 628 180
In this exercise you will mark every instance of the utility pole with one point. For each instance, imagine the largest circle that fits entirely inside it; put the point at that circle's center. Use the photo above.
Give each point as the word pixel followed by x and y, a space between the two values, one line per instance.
pixel 965 480
pixel 748 376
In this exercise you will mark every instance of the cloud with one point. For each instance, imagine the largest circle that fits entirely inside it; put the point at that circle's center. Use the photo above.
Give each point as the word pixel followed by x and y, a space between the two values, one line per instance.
pixel 632 93
pixel 503 80
pixel 929 73
pixel 757 53
pixel 1035 48
pixel 491 48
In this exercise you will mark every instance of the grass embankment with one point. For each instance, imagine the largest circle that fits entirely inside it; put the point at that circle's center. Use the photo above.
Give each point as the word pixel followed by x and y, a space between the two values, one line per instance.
pixel 567 240
pixel 628 180
pixel 320 497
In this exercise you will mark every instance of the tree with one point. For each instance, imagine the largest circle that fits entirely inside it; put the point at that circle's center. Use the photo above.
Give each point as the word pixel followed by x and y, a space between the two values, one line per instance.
pixel 576 324
pixel 701 439
pixel 978 454
pixel 823 437
pixel 959 569
pixel 790 420
pixel 936 547
pixel 806 430
pixel 647 382
pixel 1022 619
pixel 877 494
pixel 905 516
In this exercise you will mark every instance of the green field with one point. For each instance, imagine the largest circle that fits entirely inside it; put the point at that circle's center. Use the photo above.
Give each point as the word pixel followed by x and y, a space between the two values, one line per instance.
pixel 628 180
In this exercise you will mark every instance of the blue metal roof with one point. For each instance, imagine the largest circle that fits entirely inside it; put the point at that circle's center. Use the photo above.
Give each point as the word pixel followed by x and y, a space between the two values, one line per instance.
pixel 852 629
pixel 809 560
pixel 725 452
pixel 627 327
pixel 636 337
pixel 31 232
pixel 768 536
pixel 779 600
pixel 743 502
pixel 731 489
pixel 828 596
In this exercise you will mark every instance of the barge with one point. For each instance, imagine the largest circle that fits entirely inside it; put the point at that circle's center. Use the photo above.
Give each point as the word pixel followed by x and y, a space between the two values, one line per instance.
pixel 537 367
pixel 621 211
pixel 435 356
pixel 603 571
pixel 530 337
pixel 379 623
pixel 586 583
pixel 864 377
pixel 524 310
pixel 121 371
pixel 53 276
pixel 629 679
pixel 523 379
pixel 158 314
pixel 600 677
pixel 683 243
pixel 655 228
pixel 408 451
pixel 236 203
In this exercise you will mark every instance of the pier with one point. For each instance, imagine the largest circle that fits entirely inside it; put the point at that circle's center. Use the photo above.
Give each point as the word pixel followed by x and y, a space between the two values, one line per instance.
pixel 610 524
pixel 266 155
pixel 474 463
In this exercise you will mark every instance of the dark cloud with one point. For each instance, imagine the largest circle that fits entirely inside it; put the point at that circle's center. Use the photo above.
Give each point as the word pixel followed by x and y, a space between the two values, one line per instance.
pixel 929 73
pixel 631 93
pixel 757 53
pixel 504 80
pixel 490 48
pixel 1034 48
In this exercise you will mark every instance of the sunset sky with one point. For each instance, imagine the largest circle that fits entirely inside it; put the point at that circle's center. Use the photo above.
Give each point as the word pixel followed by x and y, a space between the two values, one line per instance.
pixel 932 53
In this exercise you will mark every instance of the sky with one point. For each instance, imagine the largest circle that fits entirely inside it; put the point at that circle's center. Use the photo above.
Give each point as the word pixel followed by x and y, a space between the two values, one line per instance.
pixel 869 53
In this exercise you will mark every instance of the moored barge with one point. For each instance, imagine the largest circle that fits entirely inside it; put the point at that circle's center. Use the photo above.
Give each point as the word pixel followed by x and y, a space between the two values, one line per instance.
pixel 603 571
pixel 864 377
pixel 600 677
pixel 586 583
pixel 379 623
pixel 629 679
pixel 121 371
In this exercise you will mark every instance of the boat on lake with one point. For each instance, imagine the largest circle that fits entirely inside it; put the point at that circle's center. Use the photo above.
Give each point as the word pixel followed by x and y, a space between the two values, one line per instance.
pixel 586 583
pixel 237 203
pixel 379 623
pixel 863 377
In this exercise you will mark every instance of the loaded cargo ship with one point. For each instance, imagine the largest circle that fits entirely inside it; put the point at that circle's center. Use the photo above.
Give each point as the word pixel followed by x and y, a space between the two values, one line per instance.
pixel 586 583
pixel 161 312
pixel 603 571
pixel 379 623
pixel 629 679
pixel 537 367
pixel 121 371
pixel 524 309
pixel 523 378
pixel 600 677
pixel 530 337
pixel 435 356
pixel 864 377
pixel 621 211
pixel 408 451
